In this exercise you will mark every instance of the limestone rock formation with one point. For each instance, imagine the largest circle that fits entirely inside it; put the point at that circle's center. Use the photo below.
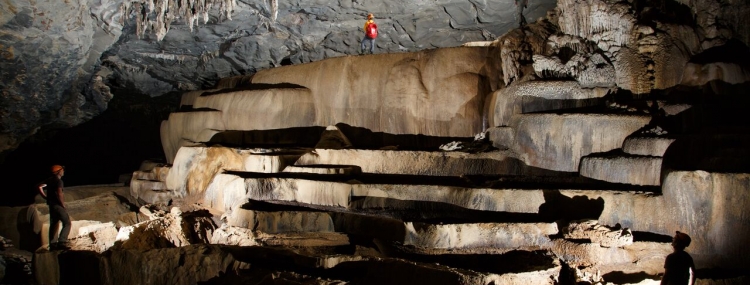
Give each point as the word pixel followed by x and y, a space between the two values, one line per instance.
pixel 80 50
pixel 452 81
pixel 605 127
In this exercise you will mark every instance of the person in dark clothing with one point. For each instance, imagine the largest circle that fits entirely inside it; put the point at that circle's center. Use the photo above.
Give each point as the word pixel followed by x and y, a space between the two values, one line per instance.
pixel 679 267
pixel 57 212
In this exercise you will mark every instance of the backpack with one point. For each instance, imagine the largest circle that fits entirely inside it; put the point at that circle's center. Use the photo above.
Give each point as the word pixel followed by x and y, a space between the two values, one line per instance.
pixel 372 31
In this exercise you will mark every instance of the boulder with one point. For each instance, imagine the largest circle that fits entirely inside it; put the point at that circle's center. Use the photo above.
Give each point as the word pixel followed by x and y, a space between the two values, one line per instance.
pixel 22 225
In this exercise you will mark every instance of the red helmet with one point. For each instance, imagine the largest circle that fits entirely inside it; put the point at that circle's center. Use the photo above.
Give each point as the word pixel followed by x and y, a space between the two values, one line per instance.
pixel 370 16
pixel 57 168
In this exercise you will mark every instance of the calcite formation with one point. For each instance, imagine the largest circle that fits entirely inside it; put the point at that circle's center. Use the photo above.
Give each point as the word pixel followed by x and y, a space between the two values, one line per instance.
pixel 595 133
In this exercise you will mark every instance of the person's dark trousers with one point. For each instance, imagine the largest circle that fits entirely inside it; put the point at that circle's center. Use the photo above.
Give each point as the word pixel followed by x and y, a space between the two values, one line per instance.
pixel 58 214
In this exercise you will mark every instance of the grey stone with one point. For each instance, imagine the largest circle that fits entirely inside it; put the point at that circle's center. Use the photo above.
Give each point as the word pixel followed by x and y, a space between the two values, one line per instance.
pixel 569 137
pixel 628 169
pixel 652 146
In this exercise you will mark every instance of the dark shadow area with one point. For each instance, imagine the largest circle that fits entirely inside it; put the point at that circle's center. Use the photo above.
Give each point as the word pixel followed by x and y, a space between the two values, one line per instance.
pixel 710 152
pixel 81 267
pixel 560 207
pixel 282 259
pixel 653 237
pixel 435 212
pixel 467 181
pixel 565 54
pixel 708 123
pixel 567 275
pixel 619 277
pixel 533 104
pixel 95 152
pixel 291 137
pixel 665 11
pixel 564 180
pixel 408 211
pixel 362 138
pixel 274 207
pixel 515 261
pixel 730 52
pixel 16 269
pixel 721 273
pixel 254 86
pixel 190 109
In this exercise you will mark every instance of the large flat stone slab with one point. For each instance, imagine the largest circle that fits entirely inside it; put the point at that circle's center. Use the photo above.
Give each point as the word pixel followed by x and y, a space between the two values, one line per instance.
pixel 433 163
pixel 628 169
pixel 452 81
pixel 188 129
pixel 340 194
pixel 425 235
pixel 653 146
pixel 559 141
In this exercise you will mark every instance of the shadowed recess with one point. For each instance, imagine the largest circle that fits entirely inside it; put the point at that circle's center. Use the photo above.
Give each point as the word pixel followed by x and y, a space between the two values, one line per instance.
pixel 558 206
pixel 363 138
pixel 515 261
pixel 619 277
pixel 254 86
pixel 291 137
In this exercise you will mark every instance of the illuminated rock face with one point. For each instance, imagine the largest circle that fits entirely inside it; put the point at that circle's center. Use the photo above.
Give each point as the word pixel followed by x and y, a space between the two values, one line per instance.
pixel 590 149
pixel 433 93
pixel 81 51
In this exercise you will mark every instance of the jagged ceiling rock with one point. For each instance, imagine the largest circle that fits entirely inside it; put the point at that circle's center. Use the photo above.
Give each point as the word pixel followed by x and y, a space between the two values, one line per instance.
pixel 49 66
pixel 60 59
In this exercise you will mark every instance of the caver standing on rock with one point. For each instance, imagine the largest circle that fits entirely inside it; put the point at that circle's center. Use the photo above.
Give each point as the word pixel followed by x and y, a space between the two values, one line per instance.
pixel 679 267
pixel 371 32
pixel 57 212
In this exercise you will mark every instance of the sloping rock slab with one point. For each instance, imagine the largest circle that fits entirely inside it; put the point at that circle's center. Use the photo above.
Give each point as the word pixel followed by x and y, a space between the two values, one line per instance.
pixel 559 141
pixel 434 163
pixel 653 146
pixel 628 169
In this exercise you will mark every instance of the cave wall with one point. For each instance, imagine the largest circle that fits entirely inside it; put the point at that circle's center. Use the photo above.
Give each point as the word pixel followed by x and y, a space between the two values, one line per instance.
pixel 60 59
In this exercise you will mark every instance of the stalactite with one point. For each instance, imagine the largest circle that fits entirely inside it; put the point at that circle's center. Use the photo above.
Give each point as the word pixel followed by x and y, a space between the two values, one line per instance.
pixel 158 15
pixel 274 9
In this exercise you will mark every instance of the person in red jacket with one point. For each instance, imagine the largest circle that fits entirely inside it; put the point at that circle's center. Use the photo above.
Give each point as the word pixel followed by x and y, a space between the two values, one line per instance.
pixel 57 211
pixel 371 32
